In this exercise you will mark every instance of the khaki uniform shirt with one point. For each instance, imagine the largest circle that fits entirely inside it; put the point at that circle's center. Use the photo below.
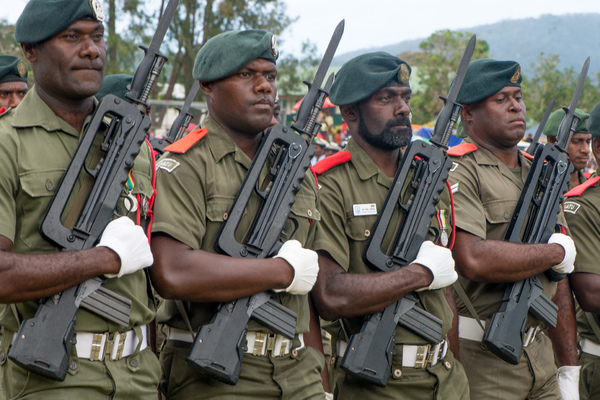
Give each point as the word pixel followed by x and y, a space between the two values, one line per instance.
pixel 583 216
pixel 35 151
pixel 343 233
pixel 485 194
pixel 196 190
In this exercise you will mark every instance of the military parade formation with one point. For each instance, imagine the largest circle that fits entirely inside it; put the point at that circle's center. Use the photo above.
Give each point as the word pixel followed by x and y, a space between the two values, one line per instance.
pixel 238 260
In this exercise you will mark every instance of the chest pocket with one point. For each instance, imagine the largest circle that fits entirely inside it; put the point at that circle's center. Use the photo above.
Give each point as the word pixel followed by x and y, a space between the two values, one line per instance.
pixel 358 228
pixel 304 211
pixel 38 187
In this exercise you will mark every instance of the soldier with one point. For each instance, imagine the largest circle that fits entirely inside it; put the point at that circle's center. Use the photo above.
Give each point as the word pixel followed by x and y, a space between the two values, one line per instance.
pixel 64 42
pixel 198 178
pixel 487 178
pixel 319 145
pixel 579 148
pixel 374 94
pixel 13 82
pixel 582 212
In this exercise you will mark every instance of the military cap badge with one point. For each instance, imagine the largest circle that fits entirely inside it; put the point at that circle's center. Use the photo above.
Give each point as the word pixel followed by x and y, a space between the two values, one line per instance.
pixel 517 74
pixel 403 74
pixel 96 7
pixel 274 47
pixel 21 69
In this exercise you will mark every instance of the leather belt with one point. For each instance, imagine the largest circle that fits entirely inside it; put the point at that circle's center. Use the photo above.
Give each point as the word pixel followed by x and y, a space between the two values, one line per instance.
pixel 413 356
pixel 590 347
pixel 469 329
pixel 258 343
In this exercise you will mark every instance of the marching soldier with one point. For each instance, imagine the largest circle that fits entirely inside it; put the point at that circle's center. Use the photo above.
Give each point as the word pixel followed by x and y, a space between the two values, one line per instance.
pixel 13 82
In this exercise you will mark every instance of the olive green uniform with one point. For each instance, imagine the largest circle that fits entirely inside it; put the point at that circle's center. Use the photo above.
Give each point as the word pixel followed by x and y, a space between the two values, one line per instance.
pixel 343 233
pixel 35 150
pixel 583 216
pixel 196 191
pixel 485 195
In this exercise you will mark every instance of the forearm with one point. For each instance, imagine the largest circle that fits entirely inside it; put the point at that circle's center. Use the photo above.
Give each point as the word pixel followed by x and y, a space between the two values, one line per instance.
pixel 498 261
pixel 182 273
pixel 33 276
pixel 344 295
pixel 564 336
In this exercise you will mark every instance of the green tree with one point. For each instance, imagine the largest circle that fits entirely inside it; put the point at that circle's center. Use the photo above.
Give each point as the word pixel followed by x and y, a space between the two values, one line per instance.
pixel 292 70
pixel 436 67
pixel 547 82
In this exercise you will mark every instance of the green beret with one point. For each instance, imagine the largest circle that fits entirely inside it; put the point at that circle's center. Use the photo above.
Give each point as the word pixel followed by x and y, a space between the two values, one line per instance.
pixel 553 123
pixel 12 69
pixel 486 77
pixel 115 84
pixel 42 19
pixel 594 121
pixel 364 75
pixel 230 51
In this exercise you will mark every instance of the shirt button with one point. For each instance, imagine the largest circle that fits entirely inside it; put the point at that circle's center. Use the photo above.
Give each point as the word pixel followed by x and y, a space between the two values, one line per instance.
pixel 332 362
pixel 448 365
pixel 309 213
pixel 294 353
pixel 133 362
pixel 367 233
pixel 49 185
pixel 506 216
pixel 225 216
pixel 73 366
pixel 397 373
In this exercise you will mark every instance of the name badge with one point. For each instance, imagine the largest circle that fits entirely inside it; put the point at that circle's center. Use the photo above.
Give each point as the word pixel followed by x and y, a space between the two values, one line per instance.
pixel 364 209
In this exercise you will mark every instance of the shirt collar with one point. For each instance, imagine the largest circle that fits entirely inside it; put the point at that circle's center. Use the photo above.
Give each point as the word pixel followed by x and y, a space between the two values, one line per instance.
pixel 365 166
pixel 221 144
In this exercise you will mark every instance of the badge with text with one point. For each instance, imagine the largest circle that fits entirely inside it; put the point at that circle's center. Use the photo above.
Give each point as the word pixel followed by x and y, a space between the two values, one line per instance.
pixel 364 209
pixel 168 164
pixel 571 207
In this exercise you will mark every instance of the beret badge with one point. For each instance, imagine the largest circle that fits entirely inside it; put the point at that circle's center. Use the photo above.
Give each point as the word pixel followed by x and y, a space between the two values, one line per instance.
pixel 96 7
pixel 21 69
pixel 403 74
pixel 274 47
pixel 515 77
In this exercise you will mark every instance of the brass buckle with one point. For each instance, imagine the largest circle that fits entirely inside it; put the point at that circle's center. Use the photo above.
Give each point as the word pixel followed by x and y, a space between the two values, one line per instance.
pixel 98 344
pixel 119 341
pixel 423 355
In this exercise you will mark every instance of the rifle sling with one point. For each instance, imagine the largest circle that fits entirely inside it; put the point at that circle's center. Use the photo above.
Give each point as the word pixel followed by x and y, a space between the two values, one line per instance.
pixel 590 318
pixel 465 298
pixel 183 313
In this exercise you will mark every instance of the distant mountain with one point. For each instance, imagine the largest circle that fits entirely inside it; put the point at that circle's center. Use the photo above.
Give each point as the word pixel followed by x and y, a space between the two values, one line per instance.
pixel 573 37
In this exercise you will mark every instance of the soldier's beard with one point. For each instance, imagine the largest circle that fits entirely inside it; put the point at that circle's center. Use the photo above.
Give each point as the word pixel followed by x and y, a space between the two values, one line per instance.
pixel 387 139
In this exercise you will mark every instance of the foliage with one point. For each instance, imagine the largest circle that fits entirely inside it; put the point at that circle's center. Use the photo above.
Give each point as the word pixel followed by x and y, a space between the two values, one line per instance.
pixel 293 70
pixel 437 64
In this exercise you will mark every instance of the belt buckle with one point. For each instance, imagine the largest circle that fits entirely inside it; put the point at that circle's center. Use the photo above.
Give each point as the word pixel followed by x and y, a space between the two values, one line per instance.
pixel 261 343
pixel 530 335
pixel 423 355
pixel 116 353
pixel 98 345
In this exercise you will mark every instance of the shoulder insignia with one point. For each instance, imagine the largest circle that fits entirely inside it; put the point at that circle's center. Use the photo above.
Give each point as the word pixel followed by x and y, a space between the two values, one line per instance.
pixel 186 142
pixel 327 163
pixel 462 149
pixel 527 155
pixel 578 190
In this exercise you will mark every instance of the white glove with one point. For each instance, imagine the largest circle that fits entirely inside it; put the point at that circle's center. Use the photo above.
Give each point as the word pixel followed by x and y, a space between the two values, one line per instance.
pixel 305 263
pixel 568 382
pixel 328 396
pixel 130 243
pixel 439 261
pixel 566 265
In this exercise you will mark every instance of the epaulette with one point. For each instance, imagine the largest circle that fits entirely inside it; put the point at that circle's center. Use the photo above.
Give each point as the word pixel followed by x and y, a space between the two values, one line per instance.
pixel 527 155
pixel 329 162
pixel 578 190
pixel 462 149
pixel 2 110
pixel 186 142
pixel 5 111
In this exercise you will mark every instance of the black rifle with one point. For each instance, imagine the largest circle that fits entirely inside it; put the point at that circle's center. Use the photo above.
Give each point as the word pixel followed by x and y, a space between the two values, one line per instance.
pixel 535 141
pixel 423 172
pixel 534 221
pixel 219 346
pixel 177 130
pixel 43 344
